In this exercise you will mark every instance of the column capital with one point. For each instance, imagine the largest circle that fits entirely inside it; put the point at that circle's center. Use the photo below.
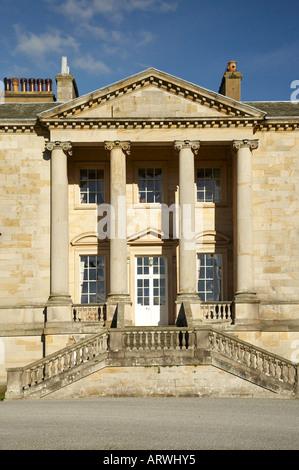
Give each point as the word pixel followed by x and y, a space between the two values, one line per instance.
pixel 125 146
pixel 252 144
pixel 191 144
pixel 64 146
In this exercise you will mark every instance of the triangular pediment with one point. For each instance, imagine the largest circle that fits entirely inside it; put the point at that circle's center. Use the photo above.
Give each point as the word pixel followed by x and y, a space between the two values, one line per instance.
pixel 151 94
pixel 145 236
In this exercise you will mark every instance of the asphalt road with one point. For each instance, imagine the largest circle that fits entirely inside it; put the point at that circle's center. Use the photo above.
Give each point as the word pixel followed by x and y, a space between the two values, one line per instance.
pixel 169 424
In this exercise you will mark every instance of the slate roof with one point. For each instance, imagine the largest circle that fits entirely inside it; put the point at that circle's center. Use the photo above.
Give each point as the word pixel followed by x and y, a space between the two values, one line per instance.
pixel 20 111
pixel 276 109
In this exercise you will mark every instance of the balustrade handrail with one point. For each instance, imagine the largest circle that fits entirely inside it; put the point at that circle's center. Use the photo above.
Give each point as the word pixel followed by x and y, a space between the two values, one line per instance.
pixel 264 363
pixel 60 352
pixel 251 346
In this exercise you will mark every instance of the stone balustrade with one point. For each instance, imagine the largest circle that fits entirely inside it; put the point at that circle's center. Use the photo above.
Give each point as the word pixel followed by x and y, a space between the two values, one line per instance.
pixel 89 313
pixel 217 312
pixel 147 346
pixel 171 339
pixel 261 362
pixel 212 312
pixel 21 380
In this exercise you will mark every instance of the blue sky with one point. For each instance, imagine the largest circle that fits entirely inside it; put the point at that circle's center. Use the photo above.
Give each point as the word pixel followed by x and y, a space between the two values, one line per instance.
pixel 108 40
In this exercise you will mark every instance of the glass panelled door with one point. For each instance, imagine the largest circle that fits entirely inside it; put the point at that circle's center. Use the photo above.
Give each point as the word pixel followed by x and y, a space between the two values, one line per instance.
pixel 151 291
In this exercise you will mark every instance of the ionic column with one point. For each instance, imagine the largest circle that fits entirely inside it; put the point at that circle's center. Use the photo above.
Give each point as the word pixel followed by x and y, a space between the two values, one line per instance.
pixel 59 278
pixel 244 246
pixel 118 239
pixel 187 246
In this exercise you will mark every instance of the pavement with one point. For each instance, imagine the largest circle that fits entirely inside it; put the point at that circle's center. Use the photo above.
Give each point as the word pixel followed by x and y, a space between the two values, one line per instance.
pixel 172 425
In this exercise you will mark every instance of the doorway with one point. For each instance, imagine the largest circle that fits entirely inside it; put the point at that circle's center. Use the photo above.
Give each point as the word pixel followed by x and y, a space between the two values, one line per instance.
pixel 151 291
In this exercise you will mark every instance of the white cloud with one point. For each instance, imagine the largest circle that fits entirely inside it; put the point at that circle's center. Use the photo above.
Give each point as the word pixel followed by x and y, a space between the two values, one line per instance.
pixel 91 65
pixel 37 47
pixel 116 39
pixel 82 10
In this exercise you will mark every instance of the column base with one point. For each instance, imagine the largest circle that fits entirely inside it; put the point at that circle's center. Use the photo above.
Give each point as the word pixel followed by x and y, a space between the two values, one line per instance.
pixel 246 296
pixel 59 308
pixel 246 308
pixel 188 297
pixel 187 308
pixel 118 307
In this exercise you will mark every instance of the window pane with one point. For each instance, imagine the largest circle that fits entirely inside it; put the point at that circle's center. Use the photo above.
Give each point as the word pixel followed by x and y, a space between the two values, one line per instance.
pixel 92 198
pixel 149 185
pixel 209 269
pixel 150 197
pixel 92 274
pixel 91 186
pixel 92 279
pixel 92 287
pixel 142 197
pixel 100 274
pixel 85 287
pixel 208 184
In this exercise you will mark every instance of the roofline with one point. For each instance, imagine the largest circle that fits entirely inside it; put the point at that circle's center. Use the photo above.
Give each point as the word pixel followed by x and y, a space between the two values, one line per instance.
pixel 147 72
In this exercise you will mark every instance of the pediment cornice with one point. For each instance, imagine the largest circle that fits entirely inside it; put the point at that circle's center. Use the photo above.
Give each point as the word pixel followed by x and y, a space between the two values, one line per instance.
pixel 227 111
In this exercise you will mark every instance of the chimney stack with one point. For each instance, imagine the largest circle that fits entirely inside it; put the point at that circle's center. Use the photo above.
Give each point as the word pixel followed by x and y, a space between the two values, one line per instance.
pixel 231 82
pixel 28 92
pixel 66 86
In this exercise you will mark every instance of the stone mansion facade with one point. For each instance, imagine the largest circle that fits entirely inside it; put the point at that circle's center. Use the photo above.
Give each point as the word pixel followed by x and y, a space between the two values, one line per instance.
pixel 142 204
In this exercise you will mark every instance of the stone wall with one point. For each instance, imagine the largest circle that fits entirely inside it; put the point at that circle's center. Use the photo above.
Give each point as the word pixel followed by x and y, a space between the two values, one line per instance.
pixel 276 222
pixel 176 381
pixel 25 220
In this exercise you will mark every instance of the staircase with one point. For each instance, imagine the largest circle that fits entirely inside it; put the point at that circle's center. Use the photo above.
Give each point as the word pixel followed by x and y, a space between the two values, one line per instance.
pixel 159 346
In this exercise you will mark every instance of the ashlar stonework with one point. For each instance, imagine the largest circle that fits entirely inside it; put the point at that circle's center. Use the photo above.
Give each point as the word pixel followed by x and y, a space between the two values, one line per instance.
pixel 151 203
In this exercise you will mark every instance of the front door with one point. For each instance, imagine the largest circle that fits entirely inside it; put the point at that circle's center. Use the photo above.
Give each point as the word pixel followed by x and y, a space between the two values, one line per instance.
pixel 151 291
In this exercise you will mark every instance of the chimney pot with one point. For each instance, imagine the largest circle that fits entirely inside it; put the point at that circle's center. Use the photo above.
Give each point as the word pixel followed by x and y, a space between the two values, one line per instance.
pixel 23 84
pixel 7 83
pixel 48 84
pixel 232 66
pixel 40 84
pixel 15 84
pixel 31 84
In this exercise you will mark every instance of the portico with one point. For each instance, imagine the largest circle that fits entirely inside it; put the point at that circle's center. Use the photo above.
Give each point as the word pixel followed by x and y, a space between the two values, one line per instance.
pixel 124 250
pixel 189 155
